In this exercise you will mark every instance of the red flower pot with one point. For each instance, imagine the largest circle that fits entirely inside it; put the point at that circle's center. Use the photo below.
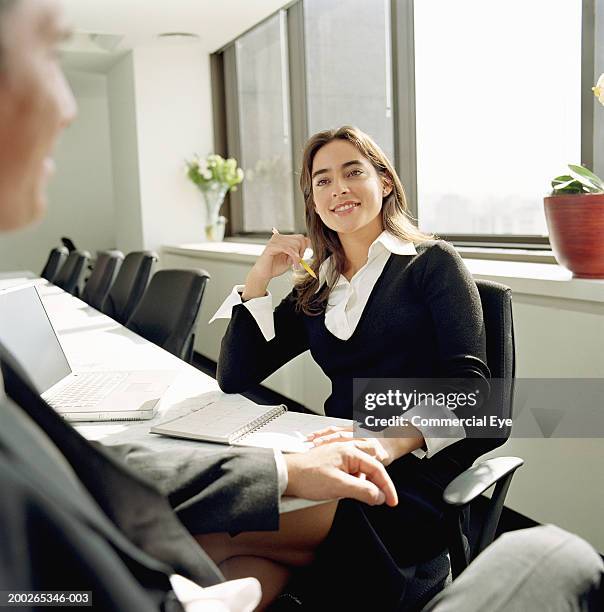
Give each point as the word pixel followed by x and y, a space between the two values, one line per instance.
pixel 576 232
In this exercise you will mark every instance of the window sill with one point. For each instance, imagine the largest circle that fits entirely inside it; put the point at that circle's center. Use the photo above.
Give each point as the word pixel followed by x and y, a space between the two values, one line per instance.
pixel 500 254
pixel 523 277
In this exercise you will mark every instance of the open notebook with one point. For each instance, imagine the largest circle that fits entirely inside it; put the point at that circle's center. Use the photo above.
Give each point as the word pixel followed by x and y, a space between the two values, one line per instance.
pixel 245 424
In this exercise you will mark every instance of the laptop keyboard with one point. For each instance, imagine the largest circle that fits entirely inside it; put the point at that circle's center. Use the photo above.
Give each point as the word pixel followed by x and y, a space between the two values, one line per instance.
pixel 86 390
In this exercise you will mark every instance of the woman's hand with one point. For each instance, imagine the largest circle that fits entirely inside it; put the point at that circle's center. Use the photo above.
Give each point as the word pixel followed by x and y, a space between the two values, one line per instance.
pixel 279 255
pixel 385 450
pixel 371 446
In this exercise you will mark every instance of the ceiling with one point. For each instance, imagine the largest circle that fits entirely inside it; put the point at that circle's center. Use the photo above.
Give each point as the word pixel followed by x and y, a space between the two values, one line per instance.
pixel 125 24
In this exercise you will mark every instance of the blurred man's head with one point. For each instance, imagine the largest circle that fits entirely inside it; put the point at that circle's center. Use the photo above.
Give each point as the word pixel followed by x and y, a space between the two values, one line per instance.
pixel 36 103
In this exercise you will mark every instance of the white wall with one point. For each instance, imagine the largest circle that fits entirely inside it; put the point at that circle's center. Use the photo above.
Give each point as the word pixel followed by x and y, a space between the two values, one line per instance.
pixel 81 192
pixel 562 481
pixel 124 155
pixel 174 120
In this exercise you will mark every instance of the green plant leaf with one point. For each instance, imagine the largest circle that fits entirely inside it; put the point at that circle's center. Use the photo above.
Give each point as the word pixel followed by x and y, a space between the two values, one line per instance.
pixel 562 186
pixel 563 178
pixel 587 173
pixel 592 182
pixel 571 186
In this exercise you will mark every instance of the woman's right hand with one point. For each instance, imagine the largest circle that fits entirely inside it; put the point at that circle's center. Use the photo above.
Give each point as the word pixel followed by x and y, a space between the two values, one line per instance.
pixel 281 253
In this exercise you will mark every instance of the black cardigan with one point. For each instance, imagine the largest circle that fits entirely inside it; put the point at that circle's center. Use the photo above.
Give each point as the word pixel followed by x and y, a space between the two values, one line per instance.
pixel 423 319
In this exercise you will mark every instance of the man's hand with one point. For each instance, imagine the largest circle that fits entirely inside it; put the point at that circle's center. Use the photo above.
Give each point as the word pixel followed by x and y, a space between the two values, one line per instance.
pixel 339 470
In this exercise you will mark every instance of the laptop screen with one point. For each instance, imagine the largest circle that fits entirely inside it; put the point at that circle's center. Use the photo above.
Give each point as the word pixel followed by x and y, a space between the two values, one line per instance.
pixel 27 333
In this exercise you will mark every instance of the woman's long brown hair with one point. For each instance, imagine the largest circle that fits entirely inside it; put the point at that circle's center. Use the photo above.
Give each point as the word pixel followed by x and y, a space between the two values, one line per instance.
pixel 325 242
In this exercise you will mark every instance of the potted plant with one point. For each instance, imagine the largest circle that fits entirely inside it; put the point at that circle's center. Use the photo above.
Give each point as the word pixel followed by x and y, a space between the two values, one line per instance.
pixel 214 177
pixel 575 218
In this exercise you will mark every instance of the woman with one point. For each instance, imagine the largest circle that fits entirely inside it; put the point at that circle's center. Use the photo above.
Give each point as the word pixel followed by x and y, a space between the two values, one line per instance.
pixel 389 302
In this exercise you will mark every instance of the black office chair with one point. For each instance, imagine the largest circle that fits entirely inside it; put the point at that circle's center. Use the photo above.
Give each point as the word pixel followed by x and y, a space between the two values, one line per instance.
pixel 56 259
pixel 68 244
pixel 168 311
pixel 496 300
pixel 129 286
pixel 70 275
pixel 103 275
pixel 431 576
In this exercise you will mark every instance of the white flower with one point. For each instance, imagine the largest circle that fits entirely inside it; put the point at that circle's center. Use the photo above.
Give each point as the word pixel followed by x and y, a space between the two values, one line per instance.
pixel 599 89
pixel 206 174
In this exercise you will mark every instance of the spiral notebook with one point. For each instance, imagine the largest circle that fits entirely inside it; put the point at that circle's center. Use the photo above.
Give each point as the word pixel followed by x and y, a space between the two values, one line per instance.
pixel 246 424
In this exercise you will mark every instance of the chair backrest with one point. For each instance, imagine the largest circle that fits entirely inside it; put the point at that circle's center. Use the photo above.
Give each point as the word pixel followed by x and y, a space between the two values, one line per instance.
pixel 168 311
pixel 56 259
pixel 496 300
pixel 430 576
pixel 68 244
pixel 70 275
pixel 129 286
pixel 103 275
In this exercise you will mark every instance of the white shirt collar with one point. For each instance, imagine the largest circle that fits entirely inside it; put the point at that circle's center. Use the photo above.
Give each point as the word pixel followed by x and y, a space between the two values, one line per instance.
pixel 385 241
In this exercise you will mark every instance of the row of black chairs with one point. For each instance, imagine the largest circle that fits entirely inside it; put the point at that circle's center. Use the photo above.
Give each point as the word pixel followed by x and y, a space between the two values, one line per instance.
pixel 164 310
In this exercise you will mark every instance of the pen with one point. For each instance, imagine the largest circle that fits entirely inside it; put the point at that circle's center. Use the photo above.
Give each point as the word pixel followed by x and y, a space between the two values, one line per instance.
pixel 302 262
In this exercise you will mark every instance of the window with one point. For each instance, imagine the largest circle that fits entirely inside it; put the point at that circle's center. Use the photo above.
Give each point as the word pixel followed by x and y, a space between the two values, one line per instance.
pixel 348 67
pixel 478 104
pixel 498 96
pixel 265 146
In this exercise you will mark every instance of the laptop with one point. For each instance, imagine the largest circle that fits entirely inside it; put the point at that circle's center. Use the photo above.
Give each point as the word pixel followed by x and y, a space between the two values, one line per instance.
pixel 27 332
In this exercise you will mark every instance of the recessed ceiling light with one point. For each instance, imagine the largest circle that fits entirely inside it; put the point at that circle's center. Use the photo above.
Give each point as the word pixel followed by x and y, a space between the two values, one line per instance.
pixel 178 36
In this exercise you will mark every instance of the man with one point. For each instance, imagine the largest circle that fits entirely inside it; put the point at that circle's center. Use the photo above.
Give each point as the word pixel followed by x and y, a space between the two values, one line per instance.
pixel 72 515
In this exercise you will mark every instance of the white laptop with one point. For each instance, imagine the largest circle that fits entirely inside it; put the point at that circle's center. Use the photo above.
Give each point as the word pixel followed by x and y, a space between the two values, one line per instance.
pixel 26 331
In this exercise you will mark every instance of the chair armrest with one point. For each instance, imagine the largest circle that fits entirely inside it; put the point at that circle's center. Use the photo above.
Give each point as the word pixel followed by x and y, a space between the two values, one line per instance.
pixel 477 479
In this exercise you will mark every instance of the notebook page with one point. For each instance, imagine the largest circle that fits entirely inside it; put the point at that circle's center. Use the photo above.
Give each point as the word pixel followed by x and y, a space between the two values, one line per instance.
pixel 215 422
pixel 288 431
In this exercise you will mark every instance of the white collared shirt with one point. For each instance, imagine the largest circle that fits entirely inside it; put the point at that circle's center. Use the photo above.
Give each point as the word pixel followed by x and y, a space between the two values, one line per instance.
pixel 348 299
pixel 345 306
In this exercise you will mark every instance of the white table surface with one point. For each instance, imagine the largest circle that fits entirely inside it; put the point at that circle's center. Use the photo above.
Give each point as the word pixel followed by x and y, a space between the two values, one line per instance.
pixel 94 341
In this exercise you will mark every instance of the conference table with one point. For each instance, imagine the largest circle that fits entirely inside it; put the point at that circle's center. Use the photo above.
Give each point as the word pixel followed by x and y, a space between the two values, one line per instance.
pixel 92 341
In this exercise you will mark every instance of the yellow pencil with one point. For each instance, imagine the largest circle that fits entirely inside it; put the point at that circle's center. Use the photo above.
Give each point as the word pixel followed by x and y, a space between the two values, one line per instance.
pixel 302 262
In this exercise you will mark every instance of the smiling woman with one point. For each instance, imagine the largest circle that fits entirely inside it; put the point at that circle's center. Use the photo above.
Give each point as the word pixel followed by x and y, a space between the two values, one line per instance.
pixel 389 302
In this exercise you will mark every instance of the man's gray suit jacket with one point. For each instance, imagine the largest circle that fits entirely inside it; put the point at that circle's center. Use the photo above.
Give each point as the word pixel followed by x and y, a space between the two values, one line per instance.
pixel 74 516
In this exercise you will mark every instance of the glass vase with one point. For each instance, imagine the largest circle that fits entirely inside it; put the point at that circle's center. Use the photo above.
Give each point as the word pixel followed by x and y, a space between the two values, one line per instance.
pixel 213 195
